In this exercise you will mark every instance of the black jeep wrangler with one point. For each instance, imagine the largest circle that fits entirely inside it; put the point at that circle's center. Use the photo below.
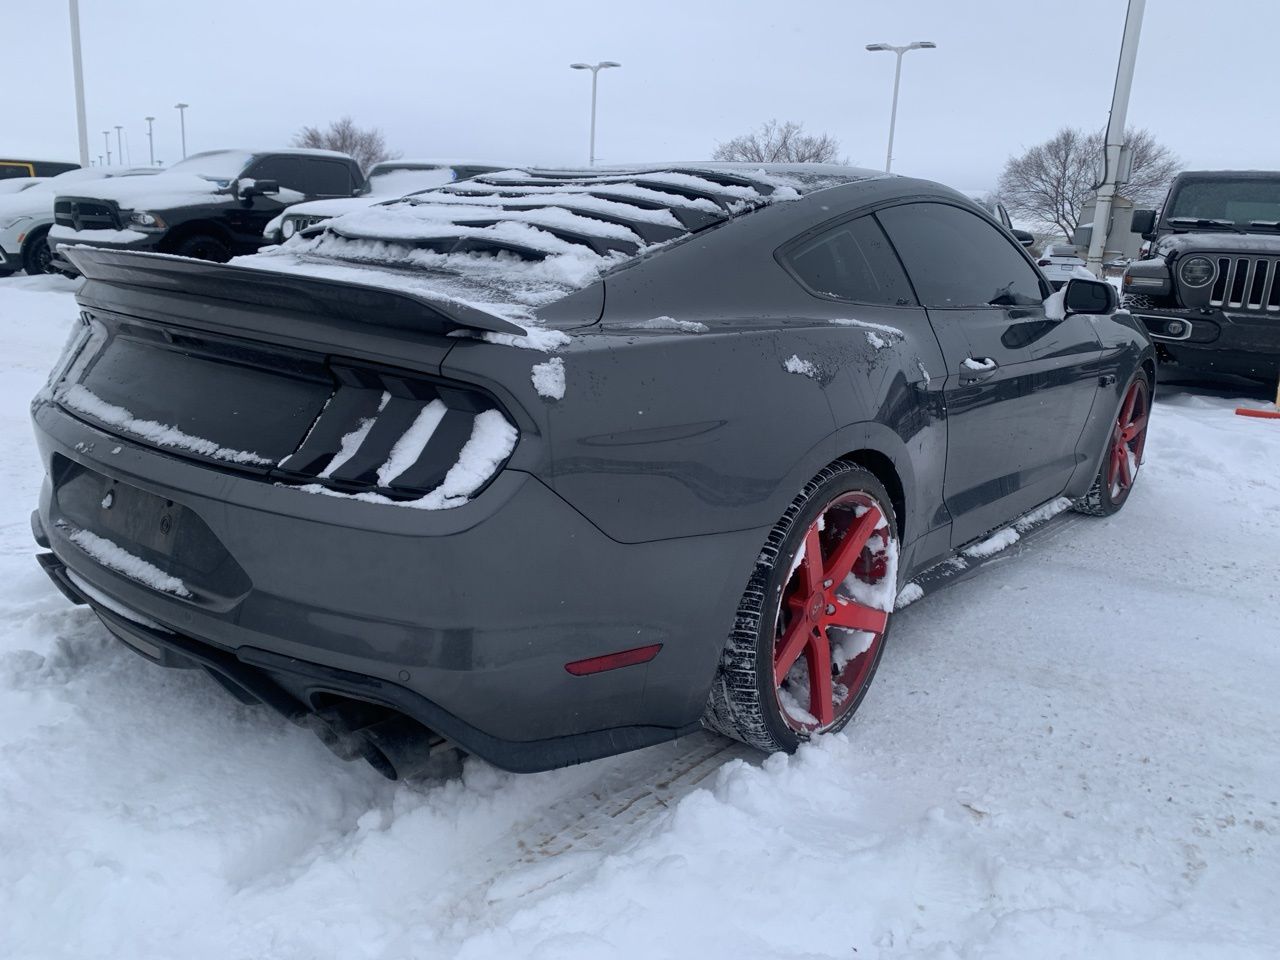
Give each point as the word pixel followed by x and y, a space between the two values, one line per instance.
pixel 1209 291
pixel 211 206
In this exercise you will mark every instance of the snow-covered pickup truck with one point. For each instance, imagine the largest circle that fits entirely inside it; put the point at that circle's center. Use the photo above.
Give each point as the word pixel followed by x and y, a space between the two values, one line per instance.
pixel 211 206
pixel 388 180
pixel 26 214
pixel 1209 293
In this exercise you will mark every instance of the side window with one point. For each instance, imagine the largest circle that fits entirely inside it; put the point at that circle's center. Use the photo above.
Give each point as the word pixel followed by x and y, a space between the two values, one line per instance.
pixel 326 178
pixel 957 259
pixel 286 171
pixel 852 261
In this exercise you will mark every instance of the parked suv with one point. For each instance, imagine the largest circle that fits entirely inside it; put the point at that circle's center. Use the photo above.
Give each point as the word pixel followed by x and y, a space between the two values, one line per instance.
pixel 212 206
pixel 10 168
pixel 26 214
pixel 388 180
pixel 1209 290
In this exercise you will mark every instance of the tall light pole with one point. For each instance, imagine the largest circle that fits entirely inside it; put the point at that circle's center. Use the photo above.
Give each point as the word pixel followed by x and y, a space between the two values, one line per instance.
pixel 77 72
pixel 1115 153
pixel 119 145
pixel 182 119
pixel 151 144
pixel 897 77
pixel 595 69
pixel 106 138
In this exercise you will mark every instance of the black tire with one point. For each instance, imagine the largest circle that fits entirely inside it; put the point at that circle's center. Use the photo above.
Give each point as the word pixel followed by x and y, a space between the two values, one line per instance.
pixel 202 246
pixel 5 273
pixel 37 258
pixel 745 700
pixel 1110 491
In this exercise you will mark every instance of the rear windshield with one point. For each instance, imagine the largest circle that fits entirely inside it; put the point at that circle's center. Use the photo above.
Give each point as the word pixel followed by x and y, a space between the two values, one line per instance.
pixel 1239 201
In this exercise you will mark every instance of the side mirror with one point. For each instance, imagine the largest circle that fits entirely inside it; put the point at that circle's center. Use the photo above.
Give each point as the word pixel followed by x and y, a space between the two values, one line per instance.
pixel 1023 237
pixel 1143 222
pixel 248 189
pixel 1090 296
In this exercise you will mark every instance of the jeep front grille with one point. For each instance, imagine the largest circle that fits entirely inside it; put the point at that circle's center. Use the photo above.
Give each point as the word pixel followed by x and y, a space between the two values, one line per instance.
pixel 301 223
pixel 1247 283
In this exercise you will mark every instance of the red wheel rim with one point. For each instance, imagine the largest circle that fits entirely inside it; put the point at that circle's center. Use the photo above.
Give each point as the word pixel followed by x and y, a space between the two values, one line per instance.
pixel 1128 440
pixel 833 612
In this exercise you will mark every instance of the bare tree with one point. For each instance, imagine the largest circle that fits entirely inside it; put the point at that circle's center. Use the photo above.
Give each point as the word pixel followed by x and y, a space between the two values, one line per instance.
pixel 366 145
pixel 779 143
pixel 1050 183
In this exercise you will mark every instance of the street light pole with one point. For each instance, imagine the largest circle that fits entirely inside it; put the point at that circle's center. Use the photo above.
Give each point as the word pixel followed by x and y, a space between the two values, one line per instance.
pixel 897 77
pixel 182 119
pixel 1115 146
pixel 595 69
pixel 151 145
pixel 77 72
pixel 119 144
pixel 106 138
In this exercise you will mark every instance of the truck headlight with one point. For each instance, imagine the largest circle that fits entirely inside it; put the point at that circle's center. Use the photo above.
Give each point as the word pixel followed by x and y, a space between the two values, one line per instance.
pixel 141 218
pixel 1197 271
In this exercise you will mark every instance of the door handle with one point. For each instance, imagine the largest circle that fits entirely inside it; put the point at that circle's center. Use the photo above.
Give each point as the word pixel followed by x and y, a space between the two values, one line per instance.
pixel 977 369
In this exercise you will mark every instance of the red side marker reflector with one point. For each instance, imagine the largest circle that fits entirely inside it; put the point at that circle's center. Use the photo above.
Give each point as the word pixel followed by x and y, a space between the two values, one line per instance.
pixel 611 661
pixel 1263 414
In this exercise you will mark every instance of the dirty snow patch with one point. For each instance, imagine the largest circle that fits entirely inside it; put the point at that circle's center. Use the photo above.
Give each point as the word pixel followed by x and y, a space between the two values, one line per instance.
pixel 805 368
pixel 100 598
pixel 877 327
pixel 548 378
pixel 877 341
pixel 117 558
pixel 1041 514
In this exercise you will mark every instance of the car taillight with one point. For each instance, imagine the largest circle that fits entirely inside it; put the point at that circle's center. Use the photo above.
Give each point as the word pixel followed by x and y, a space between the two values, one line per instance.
pixel 1043 263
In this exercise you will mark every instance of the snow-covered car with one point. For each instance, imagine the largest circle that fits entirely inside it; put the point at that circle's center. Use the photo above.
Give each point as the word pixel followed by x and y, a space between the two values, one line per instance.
pixel 1061 262
pixel 18 184
pixel 550 465
pixel 211 206
pixel 388 180
pixel 27 214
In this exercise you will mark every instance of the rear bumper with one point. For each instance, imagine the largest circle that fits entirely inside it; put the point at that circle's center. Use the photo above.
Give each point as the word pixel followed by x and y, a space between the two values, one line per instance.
pixel 464 619
pixel 1217 342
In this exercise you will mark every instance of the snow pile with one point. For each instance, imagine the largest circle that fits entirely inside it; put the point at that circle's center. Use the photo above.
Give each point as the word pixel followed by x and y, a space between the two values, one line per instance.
pixel 1055 305
pixel 875 327
pixel 1000 540
pixel 548 378
pixel 83 400
pixel 163 191
pixel 908 595
pixel 1008 536
pixel 671 323
pixel 117 558
pixel 806 368
pixel 973 363
pixel 60 234
pixel 877 341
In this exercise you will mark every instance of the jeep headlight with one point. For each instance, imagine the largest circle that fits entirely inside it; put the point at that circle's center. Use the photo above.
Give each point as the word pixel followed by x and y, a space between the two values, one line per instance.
pixel 1197 271
pixel 288 228
pixel 141 218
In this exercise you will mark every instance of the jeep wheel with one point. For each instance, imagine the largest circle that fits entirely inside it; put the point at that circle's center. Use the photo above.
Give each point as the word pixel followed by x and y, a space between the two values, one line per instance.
pixel 204 247
pixel 812 623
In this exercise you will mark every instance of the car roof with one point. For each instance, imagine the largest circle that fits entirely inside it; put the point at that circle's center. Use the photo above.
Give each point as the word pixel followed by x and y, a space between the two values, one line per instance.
pixel 418 163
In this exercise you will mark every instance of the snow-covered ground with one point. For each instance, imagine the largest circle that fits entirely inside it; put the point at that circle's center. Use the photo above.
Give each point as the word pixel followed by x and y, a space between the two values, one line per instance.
pixel 1073 753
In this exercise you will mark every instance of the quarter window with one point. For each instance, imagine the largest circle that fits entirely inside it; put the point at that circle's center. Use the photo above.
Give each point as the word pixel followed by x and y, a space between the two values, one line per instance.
pixel 957 259
pixel 852 261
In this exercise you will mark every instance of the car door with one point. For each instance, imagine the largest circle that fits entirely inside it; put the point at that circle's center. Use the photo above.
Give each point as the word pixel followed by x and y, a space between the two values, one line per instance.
pixel 1019 385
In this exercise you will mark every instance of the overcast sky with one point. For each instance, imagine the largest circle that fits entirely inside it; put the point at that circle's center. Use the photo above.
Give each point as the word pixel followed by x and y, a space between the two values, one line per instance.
pixel 491 80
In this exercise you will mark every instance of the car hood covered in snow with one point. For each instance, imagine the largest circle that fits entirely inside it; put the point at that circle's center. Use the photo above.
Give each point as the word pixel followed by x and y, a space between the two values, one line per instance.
pixel 165 191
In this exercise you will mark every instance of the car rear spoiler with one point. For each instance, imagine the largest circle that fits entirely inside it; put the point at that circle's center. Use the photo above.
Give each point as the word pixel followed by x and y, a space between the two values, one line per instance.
pixel 316 296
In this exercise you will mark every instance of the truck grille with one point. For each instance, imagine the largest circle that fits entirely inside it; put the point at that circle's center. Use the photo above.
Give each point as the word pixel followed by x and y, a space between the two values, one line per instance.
pixel 84 214
pixel 1247 283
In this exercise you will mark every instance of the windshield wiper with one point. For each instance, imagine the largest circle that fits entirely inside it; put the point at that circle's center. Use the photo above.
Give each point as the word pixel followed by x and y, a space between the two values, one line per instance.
pixel 1273 224
pixel 1204 222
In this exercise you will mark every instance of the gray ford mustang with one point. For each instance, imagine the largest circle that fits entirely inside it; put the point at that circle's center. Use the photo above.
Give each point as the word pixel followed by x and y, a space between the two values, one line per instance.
pixel 547 466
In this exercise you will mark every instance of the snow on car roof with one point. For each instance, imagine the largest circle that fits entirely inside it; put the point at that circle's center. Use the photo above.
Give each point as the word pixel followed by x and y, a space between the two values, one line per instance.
pixel 417 162
pixel 513 241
